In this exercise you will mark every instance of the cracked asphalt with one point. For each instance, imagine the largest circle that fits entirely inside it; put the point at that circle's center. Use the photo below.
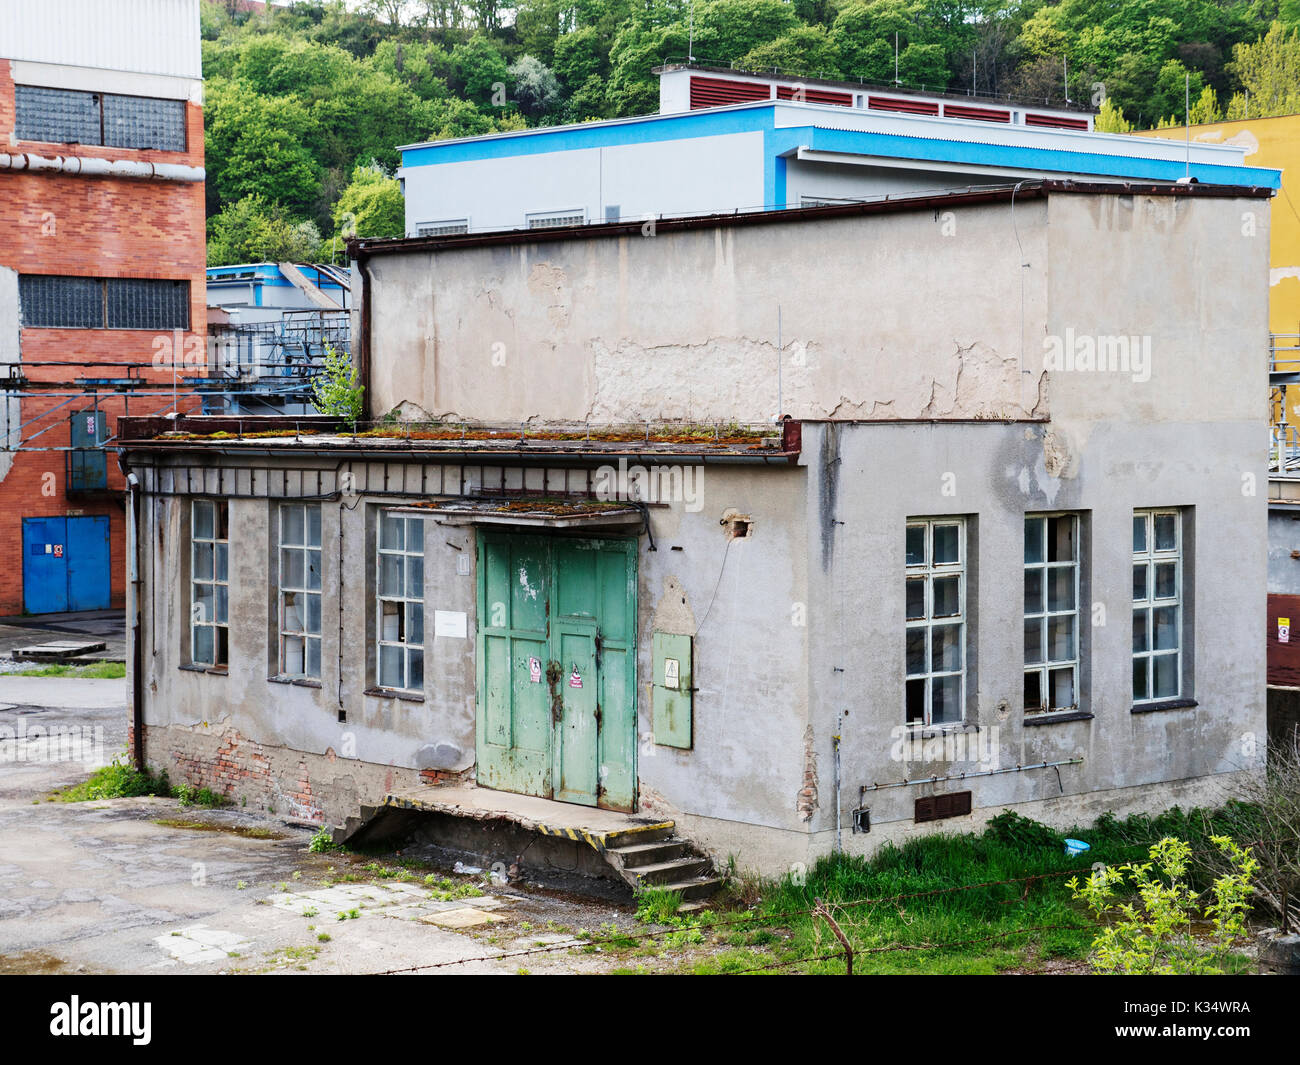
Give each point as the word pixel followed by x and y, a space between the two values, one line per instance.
pixel 146 886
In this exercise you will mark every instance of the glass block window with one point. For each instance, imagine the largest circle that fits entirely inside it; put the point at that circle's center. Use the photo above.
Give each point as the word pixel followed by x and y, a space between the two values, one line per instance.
pixel 209 582
pixel 67 116
pixel 443 229
pixel 1157 605
pixel 144 122
pixel 60 116
pixel 96 303
pixel 936 621
pixel 61 302
pixel 137 303
pixel 1051 612
pixel 400 605
pixel 300 590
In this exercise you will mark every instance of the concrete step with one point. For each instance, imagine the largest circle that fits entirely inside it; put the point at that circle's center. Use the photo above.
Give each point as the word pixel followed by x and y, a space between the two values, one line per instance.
pixel 632 836
pixel 672 872
pixel 636 855
pixel 693 890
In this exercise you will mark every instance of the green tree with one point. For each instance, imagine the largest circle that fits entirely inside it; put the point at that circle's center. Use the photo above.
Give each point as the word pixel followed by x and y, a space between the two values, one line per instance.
pixel 1269 70
pixel 536 90
pixel 804 50
pixel 252 230
pixel 254 146
pixel 371 206
pixel 335 388
pixel 1110 119
pixel 478 70
pixel 1169 96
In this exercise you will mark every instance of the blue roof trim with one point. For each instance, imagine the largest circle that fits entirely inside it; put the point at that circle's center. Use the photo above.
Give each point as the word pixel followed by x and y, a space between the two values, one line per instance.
pixel 689 124
pixel 894 145
pixel 777 142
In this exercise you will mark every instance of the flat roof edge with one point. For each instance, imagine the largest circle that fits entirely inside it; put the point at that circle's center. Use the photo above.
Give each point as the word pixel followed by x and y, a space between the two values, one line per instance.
pixel 365 248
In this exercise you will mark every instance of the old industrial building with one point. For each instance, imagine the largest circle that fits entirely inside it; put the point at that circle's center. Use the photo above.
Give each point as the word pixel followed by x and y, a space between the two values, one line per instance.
pixel 101 274
pixel 779 531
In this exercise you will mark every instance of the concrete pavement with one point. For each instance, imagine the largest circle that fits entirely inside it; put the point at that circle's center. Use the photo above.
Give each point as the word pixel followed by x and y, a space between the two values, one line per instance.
pixel 144 885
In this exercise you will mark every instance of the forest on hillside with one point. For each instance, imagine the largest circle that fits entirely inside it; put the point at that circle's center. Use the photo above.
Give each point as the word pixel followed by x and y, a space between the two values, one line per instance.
pixel 306 103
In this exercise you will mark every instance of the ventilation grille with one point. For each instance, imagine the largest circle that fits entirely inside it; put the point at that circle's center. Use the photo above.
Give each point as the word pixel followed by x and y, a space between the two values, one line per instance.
pixel 715 92
pixel 910 107
pixel 814 96
pixel 980 114
pixel 1056 121
pixel 937 807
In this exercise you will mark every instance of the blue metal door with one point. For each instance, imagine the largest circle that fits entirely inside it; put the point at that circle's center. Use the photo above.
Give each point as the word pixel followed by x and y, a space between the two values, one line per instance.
pixel 90 581
pixel 45 565
pixel 66 564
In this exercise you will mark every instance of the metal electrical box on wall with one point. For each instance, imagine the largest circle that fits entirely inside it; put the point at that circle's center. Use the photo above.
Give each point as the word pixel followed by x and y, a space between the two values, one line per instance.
pixel 674 690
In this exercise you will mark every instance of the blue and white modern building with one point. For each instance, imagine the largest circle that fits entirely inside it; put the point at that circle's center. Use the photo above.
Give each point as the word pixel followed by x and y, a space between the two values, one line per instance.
pixel 727 141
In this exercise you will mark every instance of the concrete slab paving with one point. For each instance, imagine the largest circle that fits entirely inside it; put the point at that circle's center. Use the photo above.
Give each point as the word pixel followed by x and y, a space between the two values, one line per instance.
pixel 145 885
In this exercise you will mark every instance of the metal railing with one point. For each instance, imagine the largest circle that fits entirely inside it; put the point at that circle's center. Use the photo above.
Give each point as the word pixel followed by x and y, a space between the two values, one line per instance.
pixel 1284 353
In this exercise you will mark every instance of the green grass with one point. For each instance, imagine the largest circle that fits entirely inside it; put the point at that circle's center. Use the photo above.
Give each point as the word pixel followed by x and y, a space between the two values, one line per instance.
pixel 96 670
pixel 117 780
pixel 1021 925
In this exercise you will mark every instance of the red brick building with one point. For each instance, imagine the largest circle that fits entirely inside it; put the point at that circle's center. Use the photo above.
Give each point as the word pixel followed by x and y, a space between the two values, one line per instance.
pixel 102 259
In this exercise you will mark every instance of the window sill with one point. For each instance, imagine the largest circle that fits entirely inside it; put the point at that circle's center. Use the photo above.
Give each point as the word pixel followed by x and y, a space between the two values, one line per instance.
pixel 925 732
pixel 1163 704
pixel 1059 716
pixel 302 682
pixel 219 671
pixel 393 693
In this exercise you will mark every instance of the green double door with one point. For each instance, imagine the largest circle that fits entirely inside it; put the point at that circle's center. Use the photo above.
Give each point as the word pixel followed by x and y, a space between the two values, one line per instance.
pixel 557 668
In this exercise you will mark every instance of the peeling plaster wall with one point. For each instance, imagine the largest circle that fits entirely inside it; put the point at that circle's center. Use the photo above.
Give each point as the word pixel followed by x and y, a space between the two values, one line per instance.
pixel 744 603
pixel 909 315
pixel 994 475
pixel 436 733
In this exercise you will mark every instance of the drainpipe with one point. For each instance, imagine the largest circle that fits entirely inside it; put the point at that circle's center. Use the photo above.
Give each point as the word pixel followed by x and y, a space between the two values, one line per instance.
pixel 133 619
pixel 839 842
pixel 363 338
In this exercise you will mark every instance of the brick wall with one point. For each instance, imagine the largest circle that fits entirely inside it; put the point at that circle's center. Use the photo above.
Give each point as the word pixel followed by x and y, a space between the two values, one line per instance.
pixel 93 227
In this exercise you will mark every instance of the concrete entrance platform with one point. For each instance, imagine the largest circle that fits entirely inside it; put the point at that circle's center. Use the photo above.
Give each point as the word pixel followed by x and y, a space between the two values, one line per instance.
pixel 522 837
pixel 599 828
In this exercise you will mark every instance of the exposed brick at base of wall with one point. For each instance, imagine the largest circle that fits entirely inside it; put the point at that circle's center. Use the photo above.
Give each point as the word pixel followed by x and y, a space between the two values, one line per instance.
pixel 310 787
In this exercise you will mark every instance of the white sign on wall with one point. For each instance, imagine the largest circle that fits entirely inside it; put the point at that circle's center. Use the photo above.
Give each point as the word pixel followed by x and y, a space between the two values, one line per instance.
pixel 450 623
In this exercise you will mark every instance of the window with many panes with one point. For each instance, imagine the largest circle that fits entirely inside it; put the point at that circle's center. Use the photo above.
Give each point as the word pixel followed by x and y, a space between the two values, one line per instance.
pixel 1051 612
pixel 1157 605
pixel 936 621
pixel 400 618
pixel 48 301
pixel 209 582
pixel 73 116
pixel 300 589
